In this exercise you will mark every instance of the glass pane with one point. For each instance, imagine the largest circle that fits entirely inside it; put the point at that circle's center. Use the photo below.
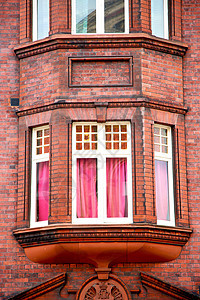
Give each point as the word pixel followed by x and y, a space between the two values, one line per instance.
pixel 86 146
pixel 86 128
pixel 78 146
pixel 39 150
pixel 85 16
pixel 108 137
pixel 156 139
pixel 162 190
pixel 116 146
pixel 46 141
pixel 157 18
pixel 42 191
pixel 46 149
pixel 39 133
pixel 116 187
pixel 164 140
pixel 46 132
pixel 39 142
pixel 43 19
pixel 86 137
pixel 124 137
pixel 164 149
pixel 157 130
pixel 94 137
pixel 108 128
pixel 108 146
pixel 123 128
pixel 163 131
pixel 114 16
pixel 79 128
pixel 79 137
pixel 94 128
pixel 123 145
pixel 94 146
pixel 86 190
pixel 116 137
pixel 116 128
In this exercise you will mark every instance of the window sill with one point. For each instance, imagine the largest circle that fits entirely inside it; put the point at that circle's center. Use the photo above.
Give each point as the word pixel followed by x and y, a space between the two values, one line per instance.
pixel 68 41
pixel 102 246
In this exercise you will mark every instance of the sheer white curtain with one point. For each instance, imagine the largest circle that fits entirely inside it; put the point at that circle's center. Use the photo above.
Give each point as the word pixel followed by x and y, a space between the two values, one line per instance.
pixel 42 18
pixel 157 18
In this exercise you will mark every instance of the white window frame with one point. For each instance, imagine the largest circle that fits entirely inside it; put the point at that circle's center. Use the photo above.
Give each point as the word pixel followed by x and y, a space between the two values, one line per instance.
pixel 100 18
pixel 36 159
pixel 166 20
pixel 101 154
pixel 35 20
pixel 168 158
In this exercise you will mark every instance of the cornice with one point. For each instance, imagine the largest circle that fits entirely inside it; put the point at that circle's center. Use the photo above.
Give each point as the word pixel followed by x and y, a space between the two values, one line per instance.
pixel 68 41
pixel 178 109
pixel 166 288
pixel 75 233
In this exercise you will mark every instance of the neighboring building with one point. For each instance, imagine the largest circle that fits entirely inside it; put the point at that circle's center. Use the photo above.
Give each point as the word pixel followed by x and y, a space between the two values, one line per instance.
pixel 99 137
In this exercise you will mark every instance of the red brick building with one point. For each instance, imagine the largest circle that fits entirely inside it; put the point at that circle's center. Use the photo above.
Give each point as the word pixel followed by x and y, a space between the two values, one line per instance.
pixel 99 190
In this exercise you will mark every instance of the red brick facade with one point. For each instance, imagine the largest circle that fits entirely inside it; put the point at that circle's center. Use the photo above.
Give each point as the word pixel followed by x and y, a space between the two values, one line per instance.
pixel 66 78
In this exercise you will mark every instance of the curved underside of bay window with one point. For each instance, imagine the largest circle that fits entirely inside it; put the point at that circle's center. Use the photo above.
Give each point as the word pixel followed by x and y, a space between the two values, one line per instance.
pixel 102 246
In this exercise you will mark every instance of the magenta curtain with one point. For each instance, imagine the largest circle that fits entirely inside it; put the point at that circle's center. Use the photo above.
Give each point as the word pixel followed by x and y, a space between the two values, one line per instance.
pixel 162 191
pixel 116 187
pixel 42 191
pixel 86 191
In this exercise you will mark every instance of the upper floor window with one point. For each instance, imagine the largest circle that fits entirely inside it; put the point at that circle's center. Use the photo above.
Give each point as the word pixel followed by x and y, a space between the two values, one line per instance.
pixel 100 16
pixel 40 19
pixel 164 175
pixel 40 177
pixel 102 173
pixel 159 18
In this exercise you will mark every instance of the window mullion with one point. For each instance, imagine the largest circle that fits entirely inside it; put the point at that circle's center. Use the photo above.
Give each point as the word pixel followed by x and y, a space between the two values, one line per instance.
pixel 126 11
pixel 171 192
pixel 101 173
pixel 166 27
pixel 35 20
pixel 99 16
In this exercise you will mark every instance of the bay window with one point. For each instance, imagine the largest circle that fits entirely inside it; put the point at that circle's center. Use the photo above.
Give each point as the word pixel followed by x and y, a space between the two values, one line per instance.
pixel 164 175
pixel 40 19
pixel 159 18
pixel 40 177
pixel 100 16
pixel 101 173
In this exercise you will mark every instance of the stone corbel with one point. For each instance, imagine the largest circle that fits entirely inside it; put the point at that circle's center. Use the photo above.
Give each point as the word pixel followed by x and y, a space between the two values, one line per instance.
pixel 101 111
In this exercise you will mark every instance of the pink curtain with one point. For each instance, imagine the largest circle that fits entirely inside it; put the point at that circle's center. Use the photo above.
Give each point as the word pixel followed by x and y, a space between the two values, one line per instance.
pixel 162 192
pixel 86 191
pixel 42 191
pixel 116 187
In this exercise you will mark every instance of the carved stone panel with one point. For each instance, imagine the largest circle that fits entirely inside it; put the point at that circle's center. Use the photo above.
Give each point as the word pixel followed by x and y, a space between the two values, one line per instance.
pixel 111 289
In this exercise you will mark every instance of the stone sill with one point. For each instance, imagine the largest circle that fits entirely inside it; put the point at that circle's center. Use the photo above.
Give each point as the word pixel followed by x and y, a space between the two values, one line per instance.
pixel 102 245
pixel 68 41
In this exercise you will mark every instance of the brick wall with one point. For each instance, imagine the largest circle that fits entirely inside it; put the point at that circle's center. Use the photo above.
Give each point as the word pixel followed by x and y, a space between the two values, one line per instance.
pixel 42 83
pixel 9 87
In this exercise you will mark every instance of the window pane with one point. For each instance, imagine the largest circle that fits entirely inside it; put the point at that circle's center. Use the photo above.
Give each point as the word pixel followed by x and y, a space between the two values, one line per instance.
pixel 157 18
pixel 116 187
pixel 114 16
pixel 43 19
pixel 86 189
pixel 85 16
pixel 162 190
pixel 42 191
